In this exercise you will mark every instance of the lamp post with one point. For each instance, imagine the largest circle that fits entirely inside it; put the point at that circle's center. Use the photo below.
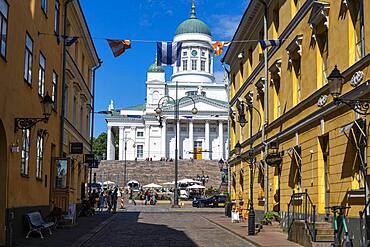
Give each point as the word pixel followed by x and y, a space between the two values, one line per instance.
pixel 161 103
pixel 361 107
pixel 125 168
pixel 238 148
pixel 27 123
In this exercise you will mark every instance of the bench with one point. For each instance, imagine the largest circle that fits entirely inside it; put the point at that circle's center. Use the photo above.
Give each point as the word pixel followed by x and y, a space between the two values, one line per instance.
pixel 37 224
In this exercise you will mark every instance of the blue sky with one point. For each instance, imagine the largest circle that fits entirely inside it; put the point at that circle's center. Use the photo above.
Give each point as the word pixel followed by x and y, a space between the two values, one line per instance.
pixel 122 79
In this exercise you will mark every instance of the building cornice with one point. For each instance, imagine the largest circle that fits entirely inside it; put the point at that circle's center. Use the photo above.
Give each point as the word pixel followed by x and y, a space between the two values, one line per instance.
pixel 284 35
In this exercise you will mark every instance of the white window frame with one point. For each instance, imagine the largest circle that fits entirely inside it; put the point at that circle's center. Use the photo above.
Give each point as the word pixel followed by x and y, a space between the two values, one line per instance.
pixel 203 65
pixel 185 65
pixel 194 64
pixel 39 155
pixel 42 66
pixel 140 134
pixel 28 59
pixel 140 151
pixel 25 152
pixel 54 90
pixel 4 9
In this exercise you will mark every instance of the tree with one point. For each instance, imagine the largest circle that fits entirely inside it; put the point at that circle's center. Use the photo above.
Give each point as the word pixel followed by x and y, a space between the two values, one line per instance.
pixel 100 145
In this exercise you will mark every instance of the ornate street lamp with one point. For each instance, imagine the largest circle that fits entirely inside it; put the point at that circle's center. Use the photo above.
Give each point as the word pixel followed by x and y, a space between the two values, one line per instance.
pixel 335 81
pixel 27 123
pixel 176 103
pixel 238 151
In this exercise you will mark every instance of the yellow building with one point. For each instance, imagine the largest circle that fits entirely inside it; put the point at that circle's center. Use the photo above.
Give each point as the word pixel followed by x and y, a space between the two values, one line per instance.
pixel 30 68
pixel 81 58
pixel 319 145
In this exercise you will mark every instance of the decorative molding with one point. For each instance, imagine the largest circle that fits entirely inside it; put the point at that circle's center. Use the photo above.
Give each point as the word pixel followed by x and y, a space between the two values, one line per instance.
pixel 294 49
pixel 275 70
pixel 319 15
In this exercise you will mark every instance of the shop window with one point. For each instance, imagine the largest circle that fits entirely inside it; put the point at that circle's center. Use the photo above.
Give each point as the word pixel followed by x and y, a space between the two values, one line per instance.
pixel 61 174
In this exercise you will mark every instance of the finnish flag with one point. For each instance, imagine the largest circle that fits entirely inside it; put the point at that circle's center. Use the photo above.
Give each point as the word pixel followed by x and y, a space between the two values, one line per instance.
pixel 169 53
pixel 268 43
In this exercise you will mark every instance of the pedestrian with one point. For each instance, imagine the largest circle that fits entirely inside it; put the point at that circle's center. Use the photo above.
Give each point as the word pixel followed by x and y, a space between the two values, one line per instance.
pixel 132 195
pixel 109 200
pixel 101 201
pixel 114 199
pixel 146 195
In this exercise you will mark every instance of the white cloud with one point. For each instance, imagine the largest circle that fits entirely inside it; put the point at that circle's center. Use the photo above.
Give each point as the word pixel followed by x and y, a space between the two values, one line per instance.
pixel 225 26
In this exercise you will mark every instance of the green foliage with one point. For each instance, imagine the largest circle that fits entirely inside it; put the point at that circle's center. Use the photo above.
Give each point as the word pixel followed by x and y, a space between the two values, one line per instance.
pixel 212 191
pixel 270 216
pixel 100 145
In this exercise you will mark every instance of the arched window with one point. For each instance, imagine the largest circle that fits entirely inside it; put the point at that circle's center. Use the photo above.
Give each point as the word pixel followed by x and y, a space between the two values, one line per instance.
pixel 155 97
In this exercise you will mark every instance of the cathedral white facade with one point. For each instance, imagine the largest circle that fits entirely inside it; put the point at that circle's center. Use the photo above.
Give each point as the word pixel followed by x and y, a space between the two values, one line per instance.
pixel 200 136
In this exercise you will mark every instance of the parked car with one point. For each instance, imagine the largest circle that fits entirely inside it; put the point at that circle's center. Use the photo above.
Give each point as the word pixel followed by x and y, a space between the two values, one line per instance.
pixel 213 201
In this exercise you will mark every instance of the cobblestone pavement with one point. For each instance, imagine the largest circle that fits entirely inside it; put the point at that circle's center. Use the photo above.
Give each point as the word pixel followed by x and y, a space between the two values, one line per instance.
pixel 158 227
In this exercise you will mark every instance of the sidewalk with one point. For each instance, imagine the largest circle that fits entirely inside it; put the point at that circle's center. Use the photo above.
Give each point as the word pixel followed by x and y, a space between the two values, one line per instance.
pixel 262 239
pixel 69 236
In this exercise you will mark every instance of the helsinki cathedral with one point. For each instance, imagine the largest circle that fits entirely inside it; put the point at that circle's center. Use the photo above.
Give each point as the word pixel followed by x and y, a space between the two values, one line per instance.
pixel 204 135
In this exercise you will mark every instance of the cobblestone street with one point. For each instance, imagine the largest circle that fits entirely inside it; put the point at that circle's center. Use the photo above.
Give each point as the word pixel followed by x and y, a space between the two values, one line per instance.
pixel 161 228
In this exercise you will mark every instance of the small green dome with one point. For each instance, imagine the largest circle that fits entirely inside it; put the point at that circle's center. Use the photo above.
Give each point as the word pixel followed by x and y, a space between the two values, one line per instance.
pixel 193 25
pixel 154 68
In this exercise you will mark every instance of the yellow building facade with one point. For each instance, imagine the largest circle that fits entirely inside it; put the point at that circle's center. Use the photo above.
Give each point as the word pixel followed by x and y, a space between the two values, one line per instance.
pixel 31 67
pixel 319 142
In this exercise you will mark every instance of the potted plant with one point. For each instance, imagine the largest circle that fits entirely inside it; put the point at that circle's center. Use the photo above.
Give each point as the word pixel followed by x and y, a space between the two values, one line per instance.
pixel 271 216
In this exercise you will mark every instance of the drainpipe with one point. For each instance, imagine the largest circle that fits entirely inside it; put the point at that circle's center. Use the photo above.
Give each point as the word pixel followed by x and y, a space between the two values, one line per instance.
pixel 362 28
pixel 93 115
pixel 265 100
pixel 62 112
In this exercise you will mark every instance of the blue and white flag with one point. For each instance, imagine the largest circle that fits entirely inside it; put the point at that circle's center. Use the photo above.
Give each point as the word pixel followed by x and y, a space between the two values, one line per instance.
pixel 268 43
pixel 169 53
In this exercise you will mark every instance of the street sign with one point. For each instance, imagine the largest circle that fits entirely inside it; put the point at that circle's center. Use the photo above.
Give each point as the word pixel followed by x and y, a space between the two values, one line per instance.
pixel 89 158
pixel 94 164
pixel 76 148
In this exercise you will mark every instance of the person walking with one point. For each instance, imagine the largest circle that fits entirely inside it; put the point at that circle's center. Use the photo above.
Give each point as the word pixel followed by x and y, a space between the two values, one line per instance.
pixel 132 196
pixel 146 195
pixel 109 200
pixel 101 201
pixel 114 199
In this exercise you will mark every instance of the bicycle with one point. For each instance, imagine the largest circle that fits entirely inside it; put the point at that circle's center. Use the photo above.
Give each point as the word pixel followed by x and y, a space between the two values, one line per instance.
pixel 340 225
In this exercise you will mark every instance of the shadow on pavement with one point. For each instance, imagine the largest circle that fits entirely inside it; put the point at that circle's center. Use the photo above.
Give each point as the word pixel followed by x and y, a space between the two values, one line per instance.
pixel 126 230
pixel 66 236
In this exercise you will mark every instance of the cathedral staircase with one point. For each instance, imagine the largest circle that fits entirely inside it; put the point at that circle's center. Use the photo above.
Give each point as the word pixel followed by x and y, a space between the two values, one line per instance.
pixel 158 171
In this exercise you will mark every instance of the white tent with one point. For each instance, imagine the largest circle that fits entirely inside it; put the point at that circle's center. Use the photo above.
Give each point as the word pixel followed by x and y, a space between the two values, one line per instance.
pixel 187 180
pixel 195 186
pixel 152 185
pixel 109 183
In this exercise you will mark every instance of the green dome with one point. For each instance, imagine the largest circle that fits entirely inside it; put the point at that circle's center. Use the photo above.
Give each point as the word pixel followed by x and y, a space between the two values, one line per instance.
pixel 154 68
pixel 193 25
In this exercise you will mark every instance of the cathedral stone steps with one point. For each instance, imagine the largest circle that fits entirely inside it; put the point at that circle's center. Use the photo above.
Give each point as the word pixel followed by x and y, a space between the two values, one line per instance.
pixel 158 171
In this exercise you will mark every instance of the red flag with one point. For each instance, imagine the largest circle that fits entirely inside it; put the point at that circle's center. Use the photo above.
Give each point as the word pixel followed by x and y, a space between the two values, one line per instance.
pixel 119 46
pixel 218 47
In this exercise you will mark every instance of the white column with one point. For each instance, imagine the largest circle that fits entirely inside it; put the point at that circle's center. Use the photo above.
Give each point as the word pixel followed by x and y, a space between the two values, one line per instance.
pixel 109 143
pixel 178 139
pixel 163 139
pixel 191 138
pixel 121 143
pixel 206 141
pixel 147 140
pixel 221 138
